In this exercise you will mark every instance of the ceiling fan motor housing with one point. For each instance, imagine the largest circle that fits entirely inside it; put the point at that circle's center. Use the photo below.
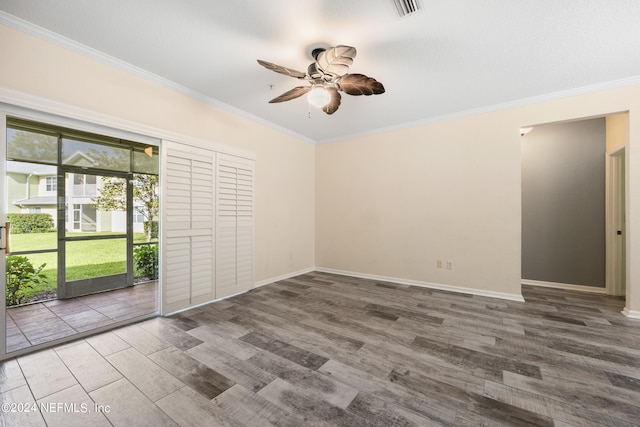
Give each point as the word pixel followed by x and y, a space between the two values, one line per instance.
pixel 317 51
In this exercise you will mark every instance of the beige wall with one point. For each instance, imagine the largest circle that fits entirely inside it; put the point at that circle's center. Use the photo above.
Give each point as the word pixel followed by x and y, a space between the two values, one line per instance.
pixel 392 204
pixel 284 213
pixel 617 131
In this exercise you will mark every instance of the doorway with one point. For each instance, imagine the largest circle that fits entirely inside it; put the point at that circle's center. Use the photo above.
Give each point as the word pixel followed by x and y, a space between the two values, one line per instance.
pixel 563 205
pixel 81 207
pixel 615 189
pixel 93 243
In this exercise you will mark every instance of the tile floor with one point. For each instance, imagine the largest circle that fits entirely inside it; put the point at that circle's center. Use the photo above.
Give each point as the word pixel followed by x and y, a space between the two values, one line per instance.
pixel 327 350
pixel 47 321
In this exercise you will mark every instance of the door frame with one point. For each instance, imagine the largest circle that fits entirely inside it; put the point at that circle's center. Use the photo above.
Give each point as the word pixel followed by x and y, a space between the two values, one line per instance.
pixel 3 218
pixel 29 107
pixel 74 288
pixel 616 230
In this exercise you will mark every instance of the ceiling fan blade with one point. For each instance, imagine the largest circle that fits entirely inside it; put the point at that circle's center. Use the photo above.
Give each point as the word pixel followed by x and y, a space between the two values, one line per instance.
pixel 336 60
pixel 291 94
pixel 334 103
pixel 359 84
pixel 282 70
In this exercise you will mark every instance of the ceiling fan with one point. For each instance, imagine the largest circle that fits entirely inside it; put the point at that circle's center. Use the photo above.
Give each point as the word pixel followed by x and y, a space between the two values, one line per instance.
pixel 327 76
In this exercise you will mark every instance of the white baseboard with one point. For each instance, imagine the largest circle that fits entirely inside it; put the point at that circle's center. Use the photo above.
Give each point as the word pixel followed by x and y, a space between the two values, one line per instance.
pixel 283 277
pixel 451 288
pixel 567 286
pixel 202 304
pixel 632 314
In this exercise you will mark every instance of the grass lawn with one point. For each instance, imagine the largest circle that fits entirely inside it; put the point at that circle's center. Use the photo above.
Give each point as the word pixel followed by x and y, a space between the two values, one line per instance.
pixel 84 259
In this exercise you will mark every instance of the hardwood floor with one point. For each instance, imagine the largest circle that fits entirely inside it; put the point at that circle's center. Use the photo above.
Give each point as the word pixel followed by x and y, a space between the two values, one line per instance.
pixel 322 349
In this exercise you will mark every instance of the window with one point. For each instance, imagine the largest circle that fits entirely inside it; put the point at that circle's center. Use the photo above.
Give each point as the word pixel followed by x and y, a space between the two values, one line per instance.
pixel 32 145
pixel 96 155
pixel 138 216
pixel 84 185
pixel 52 183
pixel 35 209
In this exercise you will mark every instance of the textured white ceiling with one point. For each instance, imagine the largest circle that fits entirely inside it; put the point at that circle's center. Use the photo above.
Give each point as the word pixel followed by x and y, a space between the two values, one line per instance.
pixel 452 57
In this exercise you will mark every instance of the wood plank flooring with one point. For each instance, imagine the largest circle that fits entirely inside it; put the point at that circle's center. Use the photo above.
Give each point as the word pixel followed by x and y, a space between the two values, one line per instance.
pixel 328 350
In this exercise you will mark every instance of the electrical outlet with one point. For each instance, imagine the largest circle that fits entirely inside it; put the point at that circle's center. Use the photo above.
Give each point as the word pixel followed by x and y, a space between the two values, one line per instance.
pixel 439 263
pixel 449 265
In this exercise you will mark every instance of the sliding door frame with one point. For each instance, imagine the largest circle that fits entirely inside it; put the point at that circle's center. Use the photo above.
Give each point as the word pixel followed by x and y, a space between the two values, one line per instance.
pixel 26 107
pixel 36 108
pixel 3 218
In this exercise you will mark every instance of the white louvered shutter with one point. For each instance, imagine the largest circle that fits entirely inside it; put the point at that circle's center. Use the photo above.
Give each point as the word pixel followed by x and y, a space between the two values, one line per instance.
pixel 244 230
pixel 234 225
pixel 189 226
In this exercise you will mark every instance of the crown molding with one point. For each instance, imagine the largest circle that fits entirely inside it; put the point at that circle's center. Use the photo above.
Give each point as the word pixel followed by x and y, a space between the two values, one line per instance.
pixel 628 81
pixel 72 45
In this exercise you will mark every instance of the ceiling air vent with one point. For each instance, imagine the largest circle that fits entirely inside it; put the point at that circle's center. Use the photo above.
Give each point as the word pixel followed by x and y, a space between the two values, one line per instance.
pixel 407 7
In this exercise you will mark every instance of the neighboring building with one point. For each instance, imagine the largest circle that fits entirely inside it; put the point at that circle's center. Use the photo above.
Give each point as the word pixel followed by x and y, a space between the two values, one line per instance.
pixel 32 188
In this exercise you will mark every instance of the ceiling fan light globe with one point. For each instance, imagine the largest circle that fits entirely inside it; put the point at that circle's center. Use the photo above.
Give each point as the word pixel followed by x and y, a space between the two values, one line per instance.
pixel 318 97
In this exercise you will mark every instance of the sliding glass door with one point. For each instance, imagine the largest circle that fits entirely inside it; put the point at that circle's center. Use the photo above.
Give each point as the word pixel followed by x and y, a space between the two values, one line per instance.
pixel 94 242
pixel 83 210
pixel 31 171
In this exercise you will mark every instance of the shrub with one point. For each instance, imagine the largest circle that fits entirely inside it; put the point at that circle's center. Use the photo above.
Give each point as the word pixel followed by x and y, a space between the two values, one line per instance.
pixel 30 223
pixel 154 229
pixel 145 258
pixel 20 275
